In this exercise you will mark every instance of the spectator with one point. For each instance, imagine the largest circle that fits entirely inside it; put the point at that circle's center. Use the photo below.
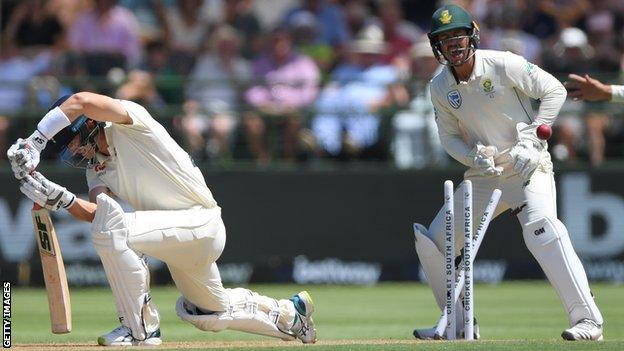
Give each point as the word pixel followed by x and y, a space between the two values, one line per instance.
pixel 32 26
pixel 506 20
pixel 415 142
pixel 108 35
pixel 16 71
pixel 184 27
pixel 286 83
pixel 168 75
pixel 567 13
pixel 216 82
pixel 603 26
pixel 147 19
pixel 185 30
pixel 304 28
pixel 399 34
pixel 140 88
pixel 571 53
pixel 349 109
pixel 239 14
pixel 356 16
pixel 332 24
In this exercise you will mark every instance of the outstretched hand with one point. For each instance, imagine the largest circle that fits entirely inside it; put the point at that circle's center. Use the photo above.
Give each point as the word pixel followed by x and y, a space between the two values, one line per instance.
pixel 587 88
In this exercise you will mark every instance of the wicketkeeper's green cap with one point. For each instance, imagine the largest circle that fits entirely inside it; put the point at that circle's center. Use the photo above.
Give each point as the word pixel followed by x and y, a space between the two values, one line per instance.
pixel 449 17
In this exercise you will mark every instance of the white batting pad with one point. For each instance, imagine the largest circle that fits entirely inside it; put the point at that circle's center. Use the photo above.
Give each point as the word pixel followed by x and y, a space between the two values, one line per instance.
pixel 247 312
pixel 127 273
pixel 432 262
pixel 548 241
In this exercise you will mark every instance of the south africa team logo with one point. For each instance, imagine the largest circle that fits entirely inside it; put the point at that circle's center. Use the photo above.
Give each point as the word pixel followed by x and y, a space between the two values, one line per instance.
pixel 454 99
pixel 487 86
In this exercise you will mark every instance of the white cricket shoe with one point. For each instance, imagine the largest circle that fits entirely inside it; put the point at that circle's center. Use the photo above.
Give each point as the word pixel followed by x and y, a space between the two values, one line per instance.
pixel 429 333
pixel 303 327
pixel 122 336
pixel 585 329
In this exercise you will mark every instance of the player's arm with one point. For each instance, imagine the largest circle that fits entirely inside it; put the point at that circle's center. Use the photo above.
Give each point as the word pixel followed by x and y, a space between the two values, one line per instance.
pixel 55 197
pixel 83 210
pixel 591 89
pixel 95 106
pixel 537 84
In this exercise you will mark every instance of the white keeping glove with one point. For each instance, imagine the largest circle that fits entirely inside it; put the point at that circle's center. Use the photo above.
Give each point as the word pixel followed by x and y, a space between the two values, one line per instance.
pixel 484 160
pixel 24 155
pixel 46 193
pixel 525 156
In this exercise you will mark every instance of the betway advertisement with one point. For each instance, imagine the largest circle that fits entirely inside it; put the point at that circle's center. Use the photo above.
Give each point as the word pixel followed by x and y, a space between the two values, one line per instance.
pixel 333 227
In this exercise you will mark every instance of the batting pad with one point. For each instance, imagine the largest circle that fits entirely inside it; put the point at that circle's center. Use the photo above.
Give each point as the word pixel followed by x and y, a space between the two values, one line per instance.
pixel 432 262
pixel 244 313
pixel 548 241
pixel 127 273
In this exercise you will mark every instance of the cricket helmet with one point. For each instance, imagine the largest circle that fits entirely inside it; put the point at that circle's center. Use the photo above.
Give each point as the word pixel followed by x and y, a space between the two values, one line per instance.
pixel 76 143
pixel 450 17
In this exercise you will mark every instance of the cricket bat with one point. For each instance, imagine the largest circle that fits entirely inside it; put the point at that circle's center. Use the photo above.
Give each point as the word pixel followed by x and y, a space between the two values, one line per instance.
pixel 53 271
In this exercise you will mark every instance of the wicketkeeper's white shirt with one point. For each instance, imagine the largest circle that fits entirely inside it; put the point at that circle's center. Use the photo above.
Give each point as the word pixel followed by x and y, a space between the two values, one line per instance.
pixel 147 168
pixel 488 106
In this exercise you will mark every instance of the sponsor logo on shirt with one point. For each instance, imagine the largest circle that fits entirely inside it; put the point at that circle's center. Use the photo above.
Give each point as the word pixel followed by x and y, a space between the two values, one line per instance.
pixel 530 68
pixel 454 99
pixel 99 168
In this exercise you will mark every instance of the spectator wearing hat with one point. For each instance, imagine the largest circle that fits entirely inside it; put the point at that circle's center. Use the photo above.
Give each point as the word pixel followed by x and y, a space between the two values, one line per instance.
pixel 415 142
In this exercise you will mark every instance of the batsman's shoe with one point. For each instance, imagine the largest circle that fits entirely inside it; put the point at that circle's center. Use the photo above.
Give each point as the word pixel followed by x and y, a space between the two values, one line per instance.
pixel 122 336
pixel 585 329
pixel 303 327
pixel 429 333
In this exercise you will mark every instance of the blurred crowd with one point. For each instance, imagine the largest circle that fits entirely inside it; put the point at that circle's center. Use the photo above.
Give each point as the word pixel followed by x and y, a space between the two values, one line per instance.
pixel 296 80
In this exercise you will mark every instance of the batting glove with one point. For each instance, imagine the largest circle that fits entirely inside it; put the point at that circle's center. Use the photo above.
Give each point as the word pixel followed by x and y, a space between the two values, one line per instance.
pixel 46 193
pixel 24 155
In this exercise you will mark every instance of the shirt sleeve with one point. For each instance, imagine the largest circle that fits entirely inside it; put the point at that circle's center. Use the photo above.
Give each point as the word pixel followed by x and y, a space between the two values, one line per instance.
pixel 537 84
pixel 617 93
pixel 93 181
pixel 450 133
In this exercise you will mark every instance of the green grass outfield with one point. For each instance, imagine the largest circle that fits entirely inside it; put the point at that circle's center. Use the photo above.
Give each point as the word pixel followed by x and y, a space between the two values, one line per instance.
pixel 512 316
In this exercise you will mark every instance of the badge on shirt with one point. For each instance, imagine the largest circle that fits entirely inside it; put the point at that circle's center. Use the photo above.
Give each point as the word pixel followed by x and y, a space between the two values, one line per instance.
pixel 454 99
pixel 488 87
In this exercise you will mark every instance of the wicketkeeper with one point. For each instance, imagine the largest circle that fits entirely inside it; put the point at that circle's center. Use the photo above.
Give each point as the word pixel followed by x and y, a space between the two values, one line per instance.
pixel 486 121
pixel 127 154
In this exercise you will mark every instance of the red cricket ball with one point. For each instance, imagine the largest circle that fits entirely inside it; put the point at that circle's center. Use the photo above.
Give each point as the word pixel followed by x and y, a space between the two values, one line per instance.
pixel 544 132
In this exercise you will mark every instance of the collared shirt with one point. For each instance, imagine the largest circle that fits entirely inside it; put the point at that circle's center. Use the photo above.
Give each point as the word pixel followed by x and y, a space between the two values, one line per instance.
pixel 147 168
pixel 488 107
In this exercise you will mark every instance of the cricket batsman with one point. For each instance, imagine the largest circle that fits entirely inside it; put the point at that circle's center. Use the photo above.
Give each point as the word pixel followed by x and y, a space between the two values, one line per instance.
pixel 127 154
pixel 482 100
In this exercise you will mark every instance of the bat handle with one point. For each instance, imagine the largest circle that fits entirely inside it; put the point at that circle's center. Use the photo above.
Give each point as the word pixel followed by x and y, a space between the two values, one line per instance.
pixel 36 206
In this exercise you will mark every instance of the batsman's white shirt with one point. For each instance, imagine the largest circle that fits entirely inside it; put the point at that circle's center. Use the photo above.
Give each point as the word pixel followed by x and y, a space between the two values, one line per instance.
pixel 147 168
pixel 488 106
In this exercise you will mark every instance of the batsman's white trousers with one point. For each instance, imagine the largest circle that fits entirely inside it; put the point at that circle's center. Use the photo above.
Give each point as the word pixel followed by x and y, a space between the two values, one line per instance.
pixel 189 242
pixel 534 203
